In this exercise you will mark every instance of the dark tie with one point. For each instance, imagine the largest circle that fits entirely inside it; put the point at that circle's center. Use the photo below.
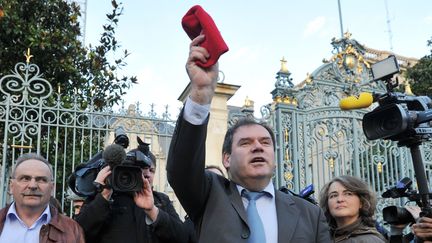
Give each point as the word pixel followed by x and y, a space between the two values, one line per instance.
pixel 256 226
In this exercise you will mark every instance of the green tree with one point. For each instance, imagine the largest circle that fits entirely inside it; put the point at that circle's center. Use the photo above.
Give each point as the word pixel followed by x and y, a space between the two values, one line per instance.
pixel 420 75
pixel 51 30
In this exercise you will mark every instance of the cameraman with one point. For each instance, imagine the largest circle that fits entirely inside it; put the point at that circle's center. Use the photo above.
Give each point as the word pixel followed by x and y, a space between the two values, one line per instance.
pixel 146 216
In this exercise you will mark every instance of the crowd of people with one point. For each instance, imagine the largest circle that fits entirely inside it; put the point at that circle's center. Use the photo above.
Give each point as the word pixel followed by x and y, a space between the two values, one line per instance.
pixel 243 206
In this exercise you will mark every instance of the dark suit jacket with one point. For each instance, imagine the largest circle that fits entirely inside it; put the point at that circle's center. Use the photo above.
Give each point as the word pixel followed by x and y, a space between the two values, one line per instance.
pixel 214 204
pixel 123 221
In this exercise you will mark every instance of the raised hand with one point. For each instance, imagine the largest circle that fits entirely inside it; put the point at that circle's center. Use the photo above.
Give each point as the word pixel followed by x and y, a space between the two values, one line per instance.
pixel 203 80
pixel 144 199
pixel 101 179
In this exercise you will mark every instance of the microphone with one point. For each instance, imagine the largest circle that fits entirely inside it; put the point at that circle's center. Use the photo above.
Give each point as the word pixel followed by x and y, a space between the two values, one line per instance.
pixel 113 155
pixel 364 100
pixel 307 191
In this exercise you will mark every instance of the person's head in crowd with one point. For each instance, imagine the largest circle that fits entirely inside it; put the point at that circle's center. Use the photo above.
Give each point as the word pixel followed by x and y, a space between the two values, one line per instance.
pixel 31 183
pixel 346 199
pixel 77 205
pixel 215 169
pixel 76 201
pixel 248 154
pixel 149 171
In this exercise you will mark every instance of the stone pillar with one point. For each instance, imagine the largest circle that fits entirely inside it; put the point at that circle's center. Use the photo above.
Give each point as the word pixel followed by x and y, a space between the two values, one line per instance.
pixel 218 121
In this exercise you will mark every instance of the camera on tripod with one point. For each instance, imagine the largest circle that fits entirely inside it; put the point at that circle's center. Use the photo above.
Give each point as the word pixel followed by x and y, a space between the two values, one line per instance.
pixel 399 117
pixel 407 120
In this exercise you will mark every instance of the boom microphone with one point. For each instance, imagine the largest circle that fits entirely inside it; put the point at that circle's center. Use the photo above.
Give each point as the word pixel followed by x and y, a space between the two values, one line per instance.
pixel 113 155
pixel 364 100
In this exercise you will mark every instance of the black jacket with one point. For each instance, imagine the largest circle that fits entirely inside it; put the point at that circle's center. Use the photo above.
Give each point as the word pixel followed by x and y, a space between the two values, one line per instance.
pixel 121 221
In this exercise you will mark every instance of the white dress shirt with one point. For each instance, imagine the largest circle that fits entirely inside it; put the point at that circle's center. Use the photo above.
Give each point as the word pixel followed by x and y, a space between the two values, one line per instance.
pixel 16 231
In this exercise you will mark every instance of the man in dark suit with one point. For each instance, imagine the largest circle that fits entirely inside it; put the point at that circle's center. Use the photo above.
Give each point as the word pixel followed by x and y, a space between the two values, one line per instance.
pixel 216 204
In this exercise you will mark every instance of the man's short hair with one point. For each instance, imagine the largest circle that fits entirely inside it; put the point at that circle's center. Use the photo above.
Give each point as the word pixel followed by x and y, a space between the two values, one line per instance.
pixel 29 156
pixel 228 140
pixel 152 157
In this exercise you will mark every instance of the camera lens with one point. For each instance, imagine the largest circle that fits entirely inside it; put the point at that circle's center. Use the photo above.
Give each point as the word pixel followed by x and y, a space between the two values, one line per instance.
pixel 127 178
pixel 391 123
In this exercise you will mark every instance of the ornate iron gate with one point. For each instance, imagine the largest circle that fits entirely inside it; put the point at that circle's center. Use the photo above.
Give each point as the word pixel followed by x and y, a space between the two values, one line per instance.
pixel 34 118
pixel 317 140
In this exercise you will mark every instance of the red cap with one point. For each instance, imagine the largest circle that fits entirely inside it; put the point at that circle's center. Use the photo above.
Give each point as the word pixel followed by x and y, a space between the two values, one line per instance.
pixel 197 20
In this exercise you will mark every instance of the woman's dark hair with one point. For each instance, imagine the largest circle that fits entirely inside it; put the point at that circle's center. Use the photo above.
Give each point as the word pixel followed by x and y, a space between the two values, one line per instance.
pixel 358 187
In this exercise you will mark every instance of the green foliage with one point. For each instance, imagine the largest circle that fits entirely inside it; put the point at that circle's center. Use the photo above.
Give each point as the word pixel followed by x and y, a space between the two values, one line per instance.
pixel 420 75
pixel 51 30
pixel 87 75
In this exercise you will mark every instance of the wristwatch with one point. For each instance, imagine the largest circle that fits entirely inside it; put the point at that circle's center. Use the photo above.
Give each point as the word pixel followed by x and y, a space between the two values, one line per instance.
pixel 99 187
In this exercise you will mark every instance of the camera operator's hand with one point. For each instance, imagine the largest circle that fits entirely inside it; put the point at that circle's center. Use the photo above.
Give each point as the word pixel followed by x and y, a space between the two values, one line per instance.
pixel 423 228
pixel 144 199
pixel 203 80
pixel 101 178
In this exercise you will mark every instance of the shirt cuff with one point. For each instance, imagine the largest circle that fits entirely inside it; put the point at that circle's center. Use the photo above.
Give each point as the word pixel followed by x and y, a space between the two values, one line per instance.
pixel 195 113
pixel 149 221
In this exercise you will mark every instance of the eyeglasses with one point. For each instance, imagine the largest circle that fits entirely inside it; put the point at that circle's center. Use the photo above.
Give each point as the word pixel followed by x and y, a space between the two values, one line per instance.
pixel 26 179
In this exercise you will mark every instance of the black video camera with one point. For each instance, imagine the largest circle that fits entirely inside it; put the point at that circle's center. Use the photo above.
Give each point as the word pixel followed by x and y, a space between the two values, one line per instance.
pixel 399 215
pixel 126 167
pixel 399 117
pixel 127 175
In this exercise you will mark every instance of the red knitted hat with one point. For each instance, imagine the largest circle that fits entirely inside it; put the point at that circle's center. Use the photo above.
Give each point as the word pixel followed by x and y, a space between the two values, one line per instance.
pixel 197 20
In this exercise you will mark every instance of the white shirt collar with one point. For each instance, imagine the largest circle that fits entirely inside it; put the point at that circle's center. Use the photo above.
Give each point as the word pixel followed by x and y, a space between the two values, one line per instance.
pixel 45 217
pixel 269 189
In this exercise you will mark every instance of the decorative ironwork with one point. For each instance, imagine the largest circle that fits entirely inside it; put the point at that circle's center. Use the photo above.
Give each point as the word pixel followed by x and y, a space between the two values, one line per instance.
pixel 34 118
pixel 317 140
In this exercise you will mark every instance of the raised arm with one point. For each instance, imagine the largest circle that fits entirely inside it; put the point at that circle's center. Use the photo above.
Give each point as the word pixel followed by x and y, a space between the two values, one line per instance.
pixel 186 158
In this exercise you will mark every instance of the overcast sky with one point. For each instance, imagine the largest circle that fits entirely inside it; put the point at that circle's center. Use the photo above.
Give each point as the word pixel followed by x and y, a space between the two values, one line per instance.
pixel 259 33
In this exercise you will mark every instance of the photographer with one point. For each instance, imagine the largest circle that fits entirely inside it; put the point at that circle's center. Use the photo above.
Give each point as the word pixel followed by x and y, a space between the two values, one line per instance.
pixel 140 217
